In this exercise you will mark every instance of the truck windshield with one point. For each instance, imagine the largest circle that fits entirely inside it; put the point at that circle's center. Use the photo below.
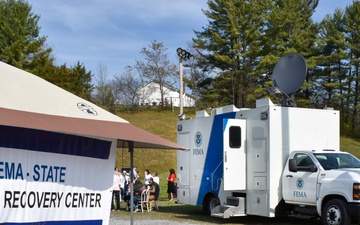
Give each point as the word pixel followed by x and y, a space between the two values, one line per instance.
pixel 337 160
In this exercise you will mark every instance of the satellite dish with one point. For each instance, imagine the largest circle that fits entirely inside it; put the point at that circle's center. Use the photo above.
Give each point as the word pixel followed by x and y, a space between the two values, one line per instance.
pixel 290 73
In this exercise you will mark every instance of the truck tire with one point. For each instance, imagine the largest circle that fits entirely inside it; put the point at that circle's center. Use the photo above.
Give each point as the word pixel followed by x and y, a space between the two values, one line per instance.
pixel 211 202
pixel 336 212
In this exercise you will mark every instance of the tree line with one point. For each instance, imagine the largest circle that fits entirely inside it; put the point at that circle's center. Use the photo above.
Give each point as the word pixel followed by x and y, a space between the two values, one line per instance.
pixel 242 40
pixel 245 39
pixel 22 46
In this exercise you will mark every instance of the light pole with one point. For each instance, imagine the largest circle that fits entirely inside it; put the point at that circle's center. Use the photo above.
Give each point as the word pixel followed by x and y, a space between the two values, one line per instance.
pixel 183 55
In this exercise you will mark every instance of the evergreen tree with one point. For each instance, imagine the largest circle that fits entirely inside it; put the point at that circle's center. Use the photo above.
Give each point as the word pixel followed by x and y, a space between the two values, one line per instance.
pixel 329 81
pixel 289 28
pixel 23 47
pixel 352 21
pixel 230 43
pixel 20 43
pixel 80 81
pixel 75 79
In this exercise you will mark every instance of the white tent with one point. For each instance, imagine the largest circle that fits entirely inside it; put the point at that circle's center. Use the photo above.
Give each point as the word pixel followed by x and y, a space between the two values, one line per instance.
pixel 41 105
pixel 58 152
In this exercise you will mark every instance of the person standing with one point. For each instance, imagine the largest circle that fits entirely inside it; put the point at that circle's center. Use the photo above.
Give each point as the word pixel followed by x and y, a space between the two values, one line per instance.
pixel 116 191
pixel 147 177
pixel 156 178
pixel 135 173
pixel 171 184
pixel 122 184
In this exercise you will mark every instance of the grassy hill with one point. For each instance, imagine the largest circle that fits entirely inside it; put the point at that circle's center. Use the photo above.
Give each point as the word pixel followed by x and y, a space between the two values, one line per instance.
pixel 350 145
pixel 163 123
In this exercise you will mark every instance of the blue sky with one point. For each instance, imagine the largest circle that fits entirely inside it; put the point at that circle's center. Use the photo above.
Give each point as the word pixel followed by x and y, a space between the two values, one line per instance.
pixel 113 32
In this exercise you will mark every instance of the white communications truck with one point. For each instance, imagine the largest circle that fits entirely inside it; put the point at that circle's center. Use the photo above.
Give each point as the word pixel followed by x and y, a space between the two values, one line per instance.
pixel 267 161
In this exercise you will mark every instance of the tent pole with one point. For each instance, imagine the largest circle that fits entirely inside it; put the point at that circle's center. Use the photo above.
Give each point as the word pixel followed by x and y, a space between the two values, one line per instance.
pixel 131 150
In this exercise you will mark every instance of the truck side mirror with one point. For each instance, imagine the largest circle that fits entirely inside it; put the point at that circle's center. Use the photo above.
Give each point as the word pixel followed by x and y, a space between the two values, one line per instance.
pixel 292 165
pixel 313 168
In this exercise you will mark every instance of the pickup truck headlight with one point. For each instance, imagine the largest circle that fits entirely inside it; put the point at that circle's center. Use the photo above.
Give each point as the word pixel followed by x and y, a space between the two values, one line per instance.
pixel 356 191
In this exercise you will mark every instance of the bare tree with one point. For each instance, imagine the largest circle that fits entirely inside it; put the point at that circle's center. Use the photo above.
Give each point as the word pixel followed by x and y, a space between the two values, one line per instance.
pixel 157 67
pixel 125 87
pixel 103 90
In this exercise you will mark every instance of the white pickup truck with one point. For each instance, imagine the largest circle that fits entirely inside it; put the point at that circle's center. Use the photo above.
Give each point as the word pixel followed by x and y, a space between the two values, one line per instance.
pixel 325 181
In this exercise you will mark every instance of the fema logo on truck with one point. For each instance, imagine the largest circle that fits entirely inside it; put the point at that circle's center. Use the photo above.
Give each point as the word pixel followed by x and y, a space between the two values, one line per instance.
pixel 198 141
pixel 299 185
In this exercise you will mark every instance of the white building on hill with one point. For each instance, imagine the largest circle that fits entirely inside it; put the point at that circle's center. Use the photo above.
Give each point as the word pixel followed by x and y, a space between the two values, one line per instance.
pixel 149 95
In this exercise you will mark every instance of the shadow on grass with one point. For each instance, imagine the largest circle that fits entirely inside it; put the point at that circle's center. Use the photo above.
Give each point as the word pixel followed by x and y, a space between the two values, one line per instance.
pixel 193 214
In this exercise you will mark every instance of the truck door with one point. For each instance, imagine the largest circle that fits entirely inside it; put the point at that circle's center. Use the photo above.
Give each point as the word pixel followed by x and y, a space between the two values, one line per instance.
pixel 234 133
pixel 301 186
pixel 183 170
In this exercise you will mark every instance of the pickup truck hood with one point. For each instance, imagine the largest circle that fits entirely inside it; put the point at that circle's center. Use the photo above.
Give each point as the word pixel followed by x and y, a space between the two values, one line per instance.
pixel 339 181
pixel 352 174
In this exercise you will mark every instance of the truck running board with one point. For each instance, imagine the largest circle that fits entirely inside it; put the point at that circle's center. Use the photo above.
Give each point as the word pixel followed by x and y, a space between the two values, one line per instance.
pixel 235 206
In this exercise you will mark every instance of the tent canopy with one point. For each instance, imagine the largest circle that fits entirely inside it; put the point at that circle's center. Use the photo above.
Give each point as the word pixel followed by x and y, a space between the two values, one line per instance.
pixel 31 102
pixel 123 132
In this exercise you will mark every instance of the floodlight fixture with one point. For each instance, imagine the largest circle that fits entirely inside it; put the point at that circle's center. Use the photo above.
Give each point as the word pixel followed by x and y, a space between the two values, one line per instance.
pixel 183 54
pixel 178 50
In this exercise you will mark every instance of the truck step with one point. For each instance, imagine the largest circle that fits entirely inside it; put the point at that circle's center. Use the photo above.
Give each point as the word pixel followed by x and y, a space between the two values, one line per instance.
pixel 227 211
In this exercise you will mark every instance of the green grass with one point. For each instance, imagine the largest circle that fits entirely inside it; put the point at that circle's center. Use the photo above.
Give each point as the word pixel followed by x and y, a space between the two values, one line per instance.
pixel 350 145
pixel 194 215
pixel 163 123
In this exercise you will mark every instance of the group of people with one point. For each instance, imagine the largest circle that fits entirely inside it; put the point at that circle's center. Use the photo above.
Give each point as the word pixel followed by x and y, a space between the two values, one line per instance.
pixel 121 187
pixel 171 179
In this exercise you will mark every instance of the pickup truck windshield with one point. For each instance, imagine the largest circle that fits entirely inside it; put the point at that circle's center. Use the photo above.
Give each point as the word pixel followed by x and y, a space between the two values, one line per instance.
pixel 337 160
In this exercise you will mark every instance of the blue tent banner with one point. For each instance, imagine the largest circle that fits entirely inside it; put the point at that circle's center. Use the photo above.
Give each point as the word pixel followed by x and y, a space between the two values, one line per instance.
pixel 50 178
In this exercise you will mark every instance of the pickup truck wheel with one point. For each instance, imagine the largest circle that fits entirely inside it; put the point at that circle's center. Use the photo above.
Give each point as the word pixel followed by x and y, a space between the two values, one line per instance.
pixel 336 212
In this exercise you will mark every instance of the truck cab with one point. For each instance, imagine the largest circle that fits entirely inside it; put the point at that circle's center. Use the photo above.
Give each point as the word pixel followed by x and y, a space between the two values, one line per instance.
pixel 326 183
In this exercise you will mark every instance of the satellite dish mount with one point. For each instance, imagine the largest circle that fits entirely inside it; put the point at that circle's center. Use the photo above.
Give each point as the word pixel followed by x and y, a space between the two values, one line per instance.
pixel 288 75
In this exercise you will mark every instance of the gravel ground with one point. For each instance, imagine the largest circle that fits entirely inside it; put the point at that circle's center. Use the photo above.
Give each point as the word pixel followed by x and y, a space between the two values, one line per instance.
pixel 147 222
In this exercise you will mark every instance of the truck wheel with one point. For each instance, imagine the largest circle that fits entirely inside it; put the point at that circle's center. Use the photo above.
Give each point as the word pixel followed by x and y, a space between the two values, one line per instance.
pixel 336 212
pixel 211 203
